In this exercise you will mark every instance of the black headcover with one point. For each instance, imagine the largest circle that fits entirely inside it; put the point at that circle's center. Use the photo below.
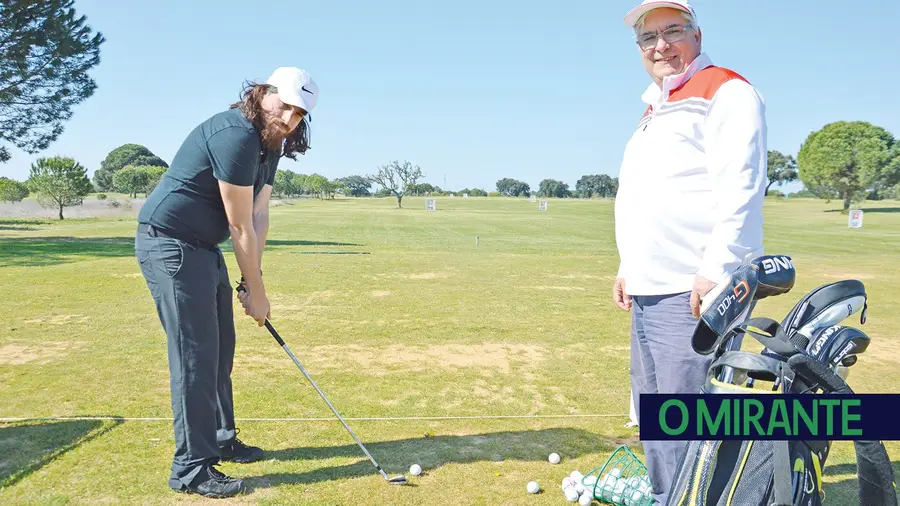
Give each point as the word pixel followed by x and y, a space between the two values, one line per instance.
pixel 849 293
pixel 775 276
pixel 724 307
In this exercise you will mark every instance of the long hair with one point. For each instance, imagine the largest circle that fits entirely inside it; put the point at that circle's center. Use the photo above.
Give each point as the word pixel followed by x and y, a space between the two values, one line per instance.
pixel 250 104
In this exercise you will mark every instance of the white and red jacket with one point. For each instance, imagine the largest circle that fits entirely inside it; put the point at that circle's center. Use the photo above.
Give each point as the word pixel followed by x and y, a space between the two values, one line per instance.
pixel 692 182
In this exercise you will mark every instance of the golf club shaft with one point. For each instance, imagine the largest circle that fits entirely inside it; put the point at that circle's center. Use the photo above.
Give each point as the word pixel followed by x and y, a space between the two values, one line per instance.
pixel 322 394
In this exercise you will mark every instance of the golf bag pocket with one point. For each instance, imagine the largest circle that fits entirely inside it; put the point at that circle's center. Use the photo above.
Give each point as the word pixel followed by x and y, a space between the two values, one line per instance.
pixel 742 473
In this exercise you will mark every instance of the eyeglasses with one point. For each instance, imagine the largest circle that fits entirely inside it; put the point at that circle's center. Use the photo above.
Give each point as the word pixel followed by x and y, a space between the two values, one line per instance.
pixel 671 35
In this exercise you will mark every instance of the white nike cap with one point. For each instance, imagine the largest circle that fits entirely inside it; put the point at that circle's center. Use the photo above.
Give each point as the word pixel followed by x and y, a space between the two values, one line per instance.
pixel 295 87
pixel 648 5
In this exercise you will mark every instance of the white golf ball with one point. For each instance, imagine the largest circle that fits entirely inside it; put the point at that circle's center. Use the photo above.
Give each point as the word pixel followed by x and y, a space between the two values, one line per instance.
pixel 554 458
pixel 571 495
pixel 567 482
pixel 576 476
pixel 533 487
pixel 579 488
pixel 637 496
pixel 585 500
pixel 415 469
pixel 590 480
pixel 616 472
pixel 616 498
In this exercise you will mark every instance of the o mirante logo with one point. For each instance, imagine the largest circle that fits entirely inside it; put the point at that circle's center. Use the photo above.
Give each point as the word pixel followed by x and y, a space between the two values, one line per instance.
pixel 768 416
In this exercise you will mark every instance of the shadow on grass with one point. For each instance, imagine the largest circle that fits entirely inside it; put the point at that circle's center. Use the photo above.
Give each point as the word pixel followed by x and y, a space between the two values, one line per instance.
pixel 25 447
pixel 42 251
pixel 846 491
pixel 278 243
pixel 868 210
pixel 291 242
pixel 433 452
pixel 4 226
pixel 24 221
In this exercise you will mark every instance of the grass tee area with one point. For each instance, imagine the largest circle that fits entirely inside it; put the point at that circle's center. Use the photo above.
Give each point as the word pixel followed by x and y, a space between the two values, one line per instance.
pixel 474 360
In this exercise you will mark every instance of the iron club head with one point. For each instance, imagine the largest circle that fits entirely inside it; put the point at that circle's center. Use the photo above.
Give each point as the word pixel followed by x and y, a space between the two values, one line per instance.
pixel 397 480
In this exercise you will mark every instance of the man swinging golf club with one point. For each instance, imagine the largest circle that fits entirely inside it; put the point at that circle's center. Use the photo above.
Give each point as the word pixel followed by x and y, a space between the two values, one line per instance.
pixel 218 186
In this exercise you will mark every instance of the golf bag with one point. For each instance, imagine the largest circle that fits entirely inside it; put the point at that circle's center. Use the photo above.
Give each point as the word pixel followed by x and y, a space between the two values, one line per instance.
pixel 765 472
pixel 733 472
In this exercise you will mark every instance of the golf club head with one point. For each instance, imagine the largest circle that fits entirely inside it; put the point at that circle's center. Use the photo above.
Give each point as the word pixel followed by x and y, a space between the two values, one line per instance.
pixel 838 345
pixel 723 308
pixel 397 480
pixel 823 307
pixel 775 275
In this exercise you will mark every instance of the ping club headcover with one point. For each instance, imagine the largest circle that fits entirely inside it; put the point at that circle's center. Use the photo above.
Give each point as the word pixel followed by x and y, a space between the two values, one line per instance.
pixel 723 308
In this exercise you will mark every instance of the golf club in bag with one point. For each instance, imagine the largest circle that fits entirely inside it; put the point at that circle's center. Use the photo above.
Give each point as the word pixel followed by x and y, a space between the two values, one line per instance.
pixel 395 480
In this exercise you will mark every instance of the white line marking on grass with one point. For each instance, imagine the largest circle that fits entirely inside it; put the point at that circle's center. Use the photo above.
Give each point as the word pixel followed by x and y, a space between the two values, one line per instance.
pixel 328 419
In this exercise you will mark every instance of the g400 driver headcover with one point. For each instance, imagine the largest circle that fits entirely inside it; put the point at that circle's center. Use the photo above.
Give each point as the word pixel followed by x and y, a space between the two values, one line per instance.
pixel 724 307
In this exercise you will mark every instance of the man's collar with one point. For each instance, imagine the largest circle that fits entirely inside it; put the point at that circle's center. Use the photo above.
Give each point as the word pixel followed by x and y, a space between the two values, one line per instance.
pixel 653 93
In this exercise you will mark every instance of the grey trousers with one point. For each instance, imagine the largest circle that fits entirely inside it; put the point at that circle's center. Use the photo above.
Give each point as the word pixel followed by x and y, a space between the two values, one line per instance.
pixel 189 285
pixel 662 361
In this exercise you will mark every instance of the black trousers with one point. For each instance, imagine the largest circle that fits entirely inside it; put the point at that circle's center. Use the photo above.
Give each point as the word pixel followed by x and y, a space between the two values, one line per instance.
pixel 193 297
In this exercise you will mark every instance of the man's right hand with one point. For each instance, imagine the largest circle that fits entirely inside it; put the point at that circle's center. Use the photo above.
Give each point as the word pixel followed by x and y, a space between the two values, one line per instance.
pixel 257 307
pixel 622 299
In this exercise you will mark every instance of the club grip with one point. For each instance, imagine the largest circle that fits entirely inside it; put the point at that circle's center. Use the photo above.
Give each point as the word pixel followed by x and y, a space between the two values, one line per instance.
pixel 274 334
pixel 240 288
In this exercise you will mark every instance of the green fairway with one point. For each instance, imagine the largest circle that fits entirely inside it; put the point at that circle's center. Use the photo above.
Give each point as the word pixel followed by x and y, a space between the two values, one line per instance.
pixel 396 313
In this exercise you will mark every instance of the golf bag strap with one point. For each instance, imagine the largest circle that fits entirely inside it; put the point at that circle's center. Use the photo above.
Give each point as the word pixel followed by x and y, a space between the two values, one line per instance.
pixel 782 478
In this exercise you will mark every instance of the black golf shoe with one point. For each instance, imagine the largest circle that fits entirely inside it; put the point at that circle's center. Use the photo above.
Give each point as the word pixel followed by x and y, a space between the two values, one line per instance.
pixel 210 482
pixel 238 451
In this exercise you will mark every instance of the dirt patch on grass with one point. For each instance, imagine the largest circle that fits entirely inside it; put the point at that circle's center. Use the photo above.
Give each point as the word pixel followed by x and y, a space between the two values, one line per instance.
pixel 562 288
pixel 581 276
pixel 18 354
pixel 428 275
pixel 59 319
pixel 381 293
pixel 498 357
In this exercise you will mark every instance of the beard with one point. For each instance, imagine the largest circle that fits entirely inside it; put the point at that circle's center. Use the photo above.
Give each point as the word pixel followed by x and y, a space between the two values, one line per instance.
pixel 274 133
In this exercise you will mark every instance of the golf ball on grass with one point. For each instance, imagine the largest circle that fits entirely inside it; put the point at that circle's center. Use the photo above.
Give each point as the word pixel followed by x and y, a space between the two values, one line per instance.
pixel 554 458
pixel 571 494
pixel 415 470
pixel 533 487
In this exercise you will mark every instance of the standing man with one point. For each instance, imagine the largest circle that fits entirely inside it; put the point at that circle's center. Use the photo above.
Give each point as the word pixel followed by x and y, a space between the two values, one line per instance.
pixel 689 206
pixel 218 186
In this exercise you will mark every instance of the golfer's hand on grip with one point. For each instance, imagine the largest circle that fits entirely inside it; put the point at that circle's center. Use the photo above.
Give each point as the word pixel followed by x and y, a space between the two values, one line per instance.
pixel 258 308
pixel 255 305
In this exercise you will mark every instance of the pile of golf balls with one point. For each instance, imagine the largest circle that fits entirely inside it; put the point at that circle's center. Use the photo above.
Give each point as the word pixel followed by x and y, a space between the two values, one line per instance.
pixel 633 491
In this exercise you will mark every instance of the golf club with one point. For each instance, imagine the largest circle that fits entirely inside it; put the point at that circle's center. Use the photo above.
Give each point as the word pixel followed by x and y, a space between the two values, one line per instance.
pixel 396 480
pixel 841 347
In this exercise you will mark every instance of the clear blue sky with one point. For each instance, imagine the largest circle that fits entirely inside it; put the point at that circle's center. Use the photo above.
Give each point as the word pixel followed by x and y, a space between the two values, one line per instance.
pixel 471 90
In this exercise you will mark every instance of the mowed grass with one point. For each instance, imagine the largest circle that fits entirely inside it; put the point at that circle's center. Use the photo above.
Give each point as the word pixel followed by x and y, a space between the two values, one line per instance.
pixel 395 313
